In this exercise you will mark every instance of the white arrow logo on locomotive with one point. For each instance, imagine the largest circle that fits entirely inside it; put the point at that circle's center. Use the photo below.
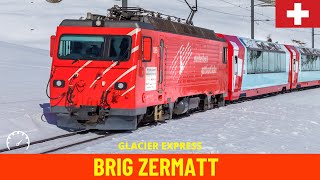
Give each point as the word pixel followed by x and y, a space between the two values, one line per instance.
pixel 182 57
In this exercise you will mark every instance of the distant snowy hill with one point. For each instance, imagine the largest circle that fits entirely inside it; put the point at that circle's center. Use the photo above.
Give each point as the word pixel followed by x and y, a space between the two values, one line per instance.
pixel 24 72
pixel 31 22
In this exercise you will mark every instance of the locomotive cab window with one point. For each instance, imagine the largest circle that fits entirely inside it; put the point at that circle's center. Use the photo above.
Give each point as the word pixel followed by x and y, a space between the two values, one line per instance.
pixel 91 47
pixel 147 49
pixel 225 55
pixel 81 47
pixel 119 48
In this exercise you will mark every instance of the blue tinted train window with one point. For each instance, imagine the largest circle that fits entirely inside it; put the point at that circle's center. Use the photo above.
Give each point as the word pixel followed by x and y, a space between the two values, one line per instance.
pixel 265 62
pixel 259 60
pixel 281 59
pixel 310 63
pixel 250 66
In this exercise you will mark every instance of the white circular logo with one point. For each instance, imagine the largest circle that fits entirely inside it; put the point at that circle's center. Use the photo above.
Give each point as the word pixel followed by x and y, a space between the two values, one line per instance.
pixel 17 138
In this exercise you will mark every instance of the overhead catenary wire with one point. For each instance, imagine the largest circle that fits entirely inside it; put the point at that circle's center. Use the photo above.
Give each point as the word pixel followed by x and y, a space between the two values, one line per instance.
pixel 246 16
pixel 247 9
pixel 270 18
pixel 221 12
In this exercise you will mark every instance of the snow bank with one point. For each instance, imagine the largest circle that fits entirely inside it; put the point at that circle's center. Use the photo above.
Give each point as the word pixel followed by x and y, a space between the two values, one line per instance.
pixel 24 72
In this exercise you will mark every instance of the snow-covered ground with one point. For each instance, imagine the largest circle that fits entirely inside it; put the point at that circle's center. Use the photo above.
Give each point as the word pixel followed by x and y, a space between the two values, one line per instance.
pixel 288 123
pixel 24 73
pixel 282 124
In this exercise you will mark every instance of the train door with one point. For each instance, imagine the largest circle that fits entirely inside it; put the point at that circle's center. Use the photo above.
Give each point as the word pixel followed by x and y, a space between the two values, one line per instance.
pixel 235 61
pixel 149 63
pixel 295 67
pixel 161 65
pixel 236 66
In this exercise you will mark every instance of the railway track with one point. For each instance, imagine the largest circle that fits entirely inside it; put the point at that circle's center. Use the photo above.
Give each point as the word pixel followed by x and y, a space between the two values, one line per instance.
pixel 75 144
pixel 58 143
pixel 68 142
pixel 62 143
pixel 41 141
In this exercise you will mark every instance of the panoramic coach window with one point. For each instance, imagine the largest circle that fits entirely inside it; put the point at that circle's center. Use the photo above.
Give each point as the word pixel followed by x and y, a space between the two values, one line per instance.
pixel 266 62
pixel 147 49
pixel 89 47
pixel 310 63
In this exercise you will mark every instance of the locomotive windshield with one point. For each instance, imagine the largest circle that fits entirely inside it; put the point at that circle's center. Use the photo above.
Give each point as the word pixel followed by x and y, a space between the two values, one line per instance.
pixel 86 47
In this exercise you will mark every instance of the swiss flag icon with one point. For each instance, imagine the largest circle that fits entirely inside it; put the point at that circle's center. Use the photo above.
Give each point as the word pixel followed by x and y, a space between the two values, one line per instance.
pixel 297 13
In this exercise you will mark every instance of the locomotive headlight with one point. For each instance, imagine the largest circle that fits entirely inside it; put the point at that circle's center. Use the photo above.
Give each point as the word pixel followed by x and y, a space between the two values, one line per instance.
pixel 98 23
pixel 121 86
pixel 59 83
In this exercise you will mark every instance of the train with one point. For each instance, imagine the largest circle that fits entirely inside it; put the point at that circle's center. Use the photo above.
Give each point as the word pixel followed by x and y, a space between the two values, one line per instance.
pixel 136 66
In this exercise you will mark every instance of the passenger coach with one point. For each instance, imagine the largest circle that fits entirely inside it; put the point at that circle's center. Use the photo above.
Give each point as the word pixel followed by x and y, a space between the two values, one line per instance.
pixel 306 67
pixel 256 67
pixel 260 67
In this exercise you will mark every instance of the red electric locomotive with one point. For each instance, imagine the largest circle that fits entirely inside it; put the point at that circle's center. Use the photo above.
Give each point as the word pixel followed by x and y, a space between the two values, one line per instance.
pixel 112 72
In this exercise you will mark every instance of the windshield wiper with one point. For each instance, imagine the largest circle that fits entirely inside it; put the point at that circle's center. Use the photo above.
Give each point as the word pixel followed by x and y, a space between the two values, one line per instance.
pixel 123 56
pixel 76 60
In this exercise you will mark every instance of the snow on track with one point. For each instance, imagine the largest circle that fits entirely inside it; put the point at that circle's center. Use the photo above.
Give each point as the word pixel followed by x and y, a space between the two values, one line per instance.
pixel 288 123
pixel 60 143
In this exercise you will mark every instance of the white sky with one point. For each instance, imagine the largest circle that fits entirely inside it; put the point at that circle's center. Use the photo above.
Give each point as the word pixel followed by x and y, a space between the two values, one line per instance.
pixel 31 22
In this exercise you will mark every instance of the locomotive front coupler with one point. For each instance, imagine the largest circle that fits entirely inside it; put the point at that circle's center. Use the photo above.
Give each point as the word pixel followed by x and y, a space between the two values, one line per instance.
pixel 103 113
pixel 87 114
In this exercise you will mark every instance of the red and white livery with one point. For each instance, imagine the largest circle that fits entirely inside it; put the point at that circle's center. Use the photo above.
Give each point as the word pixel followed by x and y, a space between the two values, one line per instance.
pixel 111 73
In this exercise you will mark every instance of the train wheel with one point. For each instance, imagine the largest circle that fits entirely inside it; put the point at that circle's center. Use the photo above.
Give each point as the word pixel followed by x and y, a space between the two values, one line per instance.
pixel 221 101
pixel 139 119
pixel 204 104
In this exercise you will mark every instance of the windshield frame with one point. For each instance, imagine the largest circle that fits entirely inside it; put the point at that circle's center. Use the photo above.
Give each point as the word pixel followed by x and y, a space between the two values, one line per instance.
pixel 105 48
